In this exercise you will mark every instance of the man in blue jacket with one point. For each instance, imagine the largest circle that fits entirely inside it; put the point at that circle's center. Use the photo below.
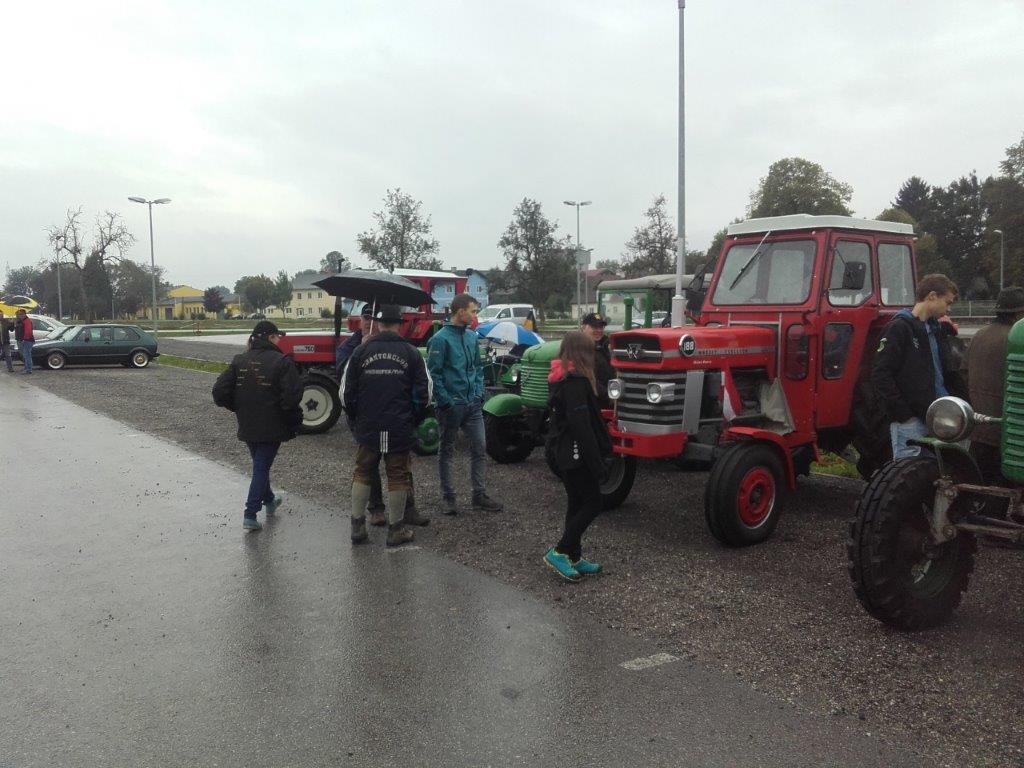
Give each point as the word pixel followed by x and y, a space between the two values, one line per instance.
pixel 453 359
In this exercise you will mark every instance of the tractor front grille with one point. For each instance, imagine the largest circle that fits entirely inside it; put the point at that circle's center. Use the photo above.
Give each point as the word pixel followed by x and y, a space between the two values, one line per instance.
pixel 634 408
pixel 533 383
pixel 1013 419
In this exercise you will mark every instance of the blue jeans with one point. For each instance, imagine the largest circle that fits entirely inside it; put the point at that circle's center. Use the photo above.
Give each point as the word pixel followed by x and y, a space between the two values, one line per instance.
pixel 470 419
pixel 259 489
pixel 25 348
pixel 899 433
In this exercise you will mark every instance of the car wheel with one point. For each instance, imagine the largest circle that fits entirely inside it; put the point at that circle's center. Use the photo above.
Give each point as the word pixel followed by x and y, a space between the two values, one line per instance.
pixel 56 360
pixel 139 359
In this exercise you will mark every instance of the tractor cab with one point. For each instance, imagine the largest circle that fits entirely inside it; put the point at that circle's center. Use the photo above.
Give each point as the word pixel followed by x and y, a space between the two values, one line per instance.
pixel 775 368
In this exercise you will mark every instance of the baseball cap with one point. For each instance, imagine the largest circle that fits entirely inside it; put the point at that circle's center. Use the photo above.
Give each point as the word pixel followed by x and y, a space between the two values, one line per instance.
pixel 266 328
pixel 595 319
pixel 389 313
pixel 367 310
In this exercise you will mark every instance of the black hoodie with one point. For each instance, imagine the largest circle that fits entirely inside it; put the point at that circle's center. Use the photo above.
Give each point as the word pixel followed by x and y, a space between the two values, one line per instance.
pixel 263 388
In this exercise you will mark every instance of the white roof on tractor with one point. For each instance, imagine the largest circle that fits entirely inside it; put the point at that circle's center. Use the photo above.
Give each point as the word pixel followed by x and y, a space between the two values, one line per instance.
pixel 807 221
pixel 423 273
pixel 642 283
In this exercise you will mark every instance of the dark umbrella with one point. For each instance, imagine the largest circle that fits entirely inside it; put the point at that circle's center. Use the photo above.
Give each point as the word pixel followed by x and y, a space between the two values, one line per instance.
pixel 378 287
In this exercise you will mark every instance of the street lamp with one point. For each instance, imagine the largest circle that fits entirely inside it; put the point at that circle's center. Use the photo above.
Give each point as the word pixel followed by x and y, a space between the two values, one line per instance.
pixel 152 259
pixel 678 302
pixel 60 299
pixel 1001 252
pixel 577 206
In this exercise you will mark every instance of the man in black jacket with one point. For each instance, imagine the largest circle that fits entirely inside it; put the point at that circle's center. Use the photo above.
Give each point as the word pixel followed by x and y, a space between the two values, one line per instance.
pixel 915 364
pixel 263 389
pixel 386 393
pixel 593 325
pixel 5 343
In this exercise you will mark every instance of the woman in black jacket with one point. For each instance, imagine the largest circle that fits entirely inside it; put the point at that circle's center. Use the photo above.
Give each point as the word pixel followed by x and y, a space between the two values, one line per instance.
pixel 263 388
pixel 579 444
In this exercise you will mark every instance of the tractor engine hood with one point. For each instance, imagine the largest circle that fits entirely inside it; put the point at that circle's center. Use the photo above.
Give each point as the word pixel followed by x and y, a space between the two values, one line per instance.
pixel 695 347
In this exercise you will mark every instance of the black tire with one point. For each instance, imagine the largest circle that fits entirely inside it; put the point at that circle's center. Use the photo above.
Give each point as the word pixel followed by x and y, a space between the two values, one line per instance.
pixel 870 431
pixel 320 404
pixel 139 359
pixel 56 360
pixel 745 494
pixel 506 442
pixel 897 576
pixel 621 475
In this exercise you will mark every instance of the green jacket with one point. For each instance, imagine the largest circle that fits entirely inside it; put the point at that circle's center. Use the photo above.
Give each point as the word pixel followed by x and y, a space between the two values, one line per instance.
pixel 453 359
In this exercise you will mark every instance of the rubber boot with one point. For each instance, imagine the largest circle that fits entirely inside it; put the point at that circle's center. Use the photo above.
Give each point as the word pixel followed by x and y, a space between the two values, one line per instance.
pixel 397 532
pixel 412 515
pixel 360 495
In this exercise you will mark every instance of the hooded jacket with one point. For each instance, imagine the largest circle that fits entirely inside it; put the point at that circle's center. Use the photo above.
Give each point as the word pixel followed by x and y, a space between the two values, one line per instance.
pixel 23 329
pixel 5 333
pixel 903 373
pixel 453 358
pixel 578 436
pixel 386 392
pixel 263 388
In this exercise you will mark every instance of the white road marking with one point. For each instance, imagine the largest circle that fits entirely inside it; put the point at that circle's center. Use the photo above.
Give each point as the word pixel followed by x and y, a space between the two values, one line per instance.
pixel 646 662
pixel 395 550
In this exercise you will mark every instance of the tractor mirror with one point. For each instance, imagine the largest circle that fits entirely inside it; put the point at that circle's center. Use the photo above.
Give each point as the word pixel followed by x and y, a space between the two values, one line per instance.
pixel 854 273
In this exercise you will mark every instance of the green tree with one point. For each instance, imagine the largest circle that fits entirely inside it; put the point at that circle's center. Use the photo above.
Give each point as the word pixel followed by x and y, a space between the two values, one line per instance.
pixel 402 236
pixel 334 262
pixel 282 296
pixel 213 300
pixel 652 248
pixel 929 261
pixel 1013 165
pixel 1004 202
pixel 24 281
pixel 794 185
pixel 132 284
pixel 96 284
pixel 957 220
pixel 540 265
pixel 914 197
pixel 255 291
pixel 612 265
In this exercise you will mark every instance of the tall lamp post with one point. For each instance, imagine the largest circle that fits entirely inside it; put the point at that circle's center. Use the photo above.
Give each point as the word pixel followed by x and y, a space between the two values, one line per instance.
pixel 678 301
pixel 1001 253
pixel 152 258
pixel 60 297
pixel 579 250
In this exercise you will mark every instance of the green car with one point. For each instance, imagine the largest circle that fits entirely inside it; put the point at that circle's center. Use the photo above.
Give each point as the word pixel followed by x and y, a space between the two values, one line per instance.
pixel 99 344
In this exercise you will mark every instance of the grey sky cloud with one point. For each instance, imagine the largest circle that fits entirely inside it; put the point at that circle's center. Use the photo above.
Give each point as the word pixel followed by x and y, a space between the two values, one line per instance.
pixel 276 128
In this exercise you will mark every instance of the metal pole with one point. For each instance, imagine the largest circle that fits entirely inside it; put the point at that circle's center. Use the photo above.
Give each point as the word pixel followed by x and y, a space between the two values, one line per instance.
pixel 1002 249
pixel 678 302
pixel 60 300
pixel 579 308
pixel 152 264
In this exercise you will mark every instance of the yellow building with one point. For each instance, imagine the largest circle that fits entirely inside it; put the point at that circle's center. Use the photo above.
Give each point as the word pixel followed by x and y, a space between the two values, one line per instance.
pixel 183 302
pixel 308 300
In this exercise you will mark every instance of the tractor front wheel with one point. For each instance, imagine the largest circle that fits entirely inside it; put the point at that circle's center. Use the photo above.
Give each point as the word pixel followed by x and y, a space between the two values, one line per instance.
pixel 744 494
pixel 428 437
pixel 899 574
pixel 320 404
pixel 507 441
pixel 621 474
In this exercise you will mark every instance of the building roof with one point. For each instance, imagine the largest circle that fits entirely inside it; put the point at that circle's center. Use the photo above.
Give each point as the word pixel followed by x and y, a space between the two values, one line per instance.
pixel 305 282
pixel 807 221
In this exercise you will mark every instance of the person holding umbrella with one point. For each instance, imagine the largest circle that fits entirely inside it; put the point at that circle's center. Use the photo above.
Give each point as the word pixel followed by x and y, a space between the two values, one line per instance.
pixel 263 389
pixel 386 391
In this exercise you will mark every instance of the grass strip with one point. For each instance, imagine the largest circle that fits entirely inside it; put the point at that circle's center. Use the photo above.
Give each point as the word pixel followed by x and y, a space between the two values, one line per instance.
pixel 832 464
pixel 192 363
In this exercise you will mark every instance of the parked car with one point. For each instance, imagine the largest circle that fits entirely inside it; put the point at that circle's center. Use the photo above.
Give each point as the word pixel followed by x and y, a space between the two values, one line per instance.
pixel 515 313
pixel 97 344
pixel 43 327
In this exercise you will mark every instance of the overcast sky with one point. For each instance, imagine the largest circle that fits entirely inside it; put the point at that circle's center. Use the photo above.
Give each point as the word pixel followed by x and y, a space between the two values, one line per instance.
pixel 277 127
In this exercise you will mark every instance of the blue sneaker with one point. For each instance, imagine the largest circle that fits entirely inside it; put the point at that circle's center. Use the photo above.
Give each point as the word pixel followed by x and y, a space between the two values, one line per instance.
pixel 586 568
pixel 251 524
pixel 561 565
pixel 272 505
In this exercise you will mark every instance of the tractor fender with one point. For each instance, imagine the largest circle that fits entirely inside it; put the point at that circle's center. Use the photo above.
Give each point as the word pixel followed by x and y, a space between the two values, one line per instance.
pixel 505 404
pixel 954 460
pixel 752 434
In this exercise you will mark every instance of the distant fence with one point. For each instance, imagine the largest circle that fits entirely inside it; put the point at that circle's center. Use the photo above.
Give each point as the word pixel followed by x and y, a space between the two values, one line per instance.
pixel 973 309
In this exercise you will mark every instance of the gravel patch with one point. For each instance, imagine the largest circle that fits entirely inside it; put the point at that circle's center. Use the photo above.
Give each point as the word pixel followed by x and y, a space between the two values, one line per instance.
pixel 780 616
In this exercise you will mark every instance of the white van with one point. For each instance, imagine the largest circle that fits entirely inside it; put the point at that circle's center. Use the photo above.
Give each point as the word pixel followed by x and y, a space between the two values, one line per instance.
pixel 515 313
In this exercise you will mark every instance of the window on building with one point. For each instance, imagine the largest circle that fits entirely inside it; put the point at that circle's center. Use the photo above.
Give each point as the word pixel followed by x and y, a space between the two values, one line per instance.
pixel 319 294
pixel 298 311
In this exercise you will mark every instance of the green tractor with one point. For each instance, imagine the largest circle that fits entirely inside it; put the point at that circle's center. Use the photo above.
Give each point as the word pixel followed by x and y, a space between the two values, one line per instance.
pixel 913 540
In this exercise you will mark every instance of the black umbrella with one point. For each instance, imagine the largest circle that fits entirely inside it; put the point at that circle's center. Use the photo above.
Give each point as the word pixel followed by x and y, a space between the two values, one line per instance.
pixel 377 287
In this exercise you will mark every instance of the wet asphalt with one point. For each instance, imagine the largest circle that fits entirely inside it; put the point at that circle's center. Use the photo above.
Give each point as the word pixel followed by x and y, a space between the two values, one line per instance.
pixel 142 627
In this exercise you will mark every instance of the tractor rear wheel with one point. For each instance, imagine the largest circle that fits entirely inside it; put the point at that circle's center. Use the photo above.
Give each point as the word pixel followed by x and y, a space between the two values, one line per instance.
pixel 507 442
pixel 320 404
pixel 744 496
pixel 899 576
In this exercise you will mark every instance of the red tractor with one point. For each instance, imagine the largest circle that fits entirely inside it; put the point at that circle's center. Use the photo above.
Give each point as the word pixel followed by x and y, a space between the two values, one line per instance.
pixel 314 352
pixel 776 368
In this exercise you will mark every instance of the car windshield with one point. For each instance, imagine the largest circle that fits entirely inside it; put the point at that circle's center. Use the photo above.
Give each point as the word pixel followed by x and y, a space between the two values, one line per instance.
pixel 780 274
pixel 488 314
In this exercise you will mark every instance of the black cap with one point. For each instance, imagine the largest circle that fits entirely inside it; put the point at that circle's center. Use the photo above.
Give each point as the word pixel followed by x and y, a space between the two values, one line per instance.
pixel 367 310
pixel 594 319
pixel 1010 301
pixel 388 313
pixel 266 328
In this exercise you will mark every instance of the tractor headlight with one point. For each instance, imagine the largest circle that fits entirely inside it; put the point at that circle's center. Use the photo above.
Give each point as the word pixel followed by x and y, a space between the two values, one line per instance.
pixel 656 392
pixel 614 389
pixel 950 419
pixel 515 376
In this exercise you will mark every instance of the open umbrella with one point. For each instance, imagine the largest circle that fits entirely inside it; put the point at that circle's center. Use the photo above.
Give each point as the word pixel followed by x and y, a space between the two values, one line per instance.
pixel 508 333
pixel 371 286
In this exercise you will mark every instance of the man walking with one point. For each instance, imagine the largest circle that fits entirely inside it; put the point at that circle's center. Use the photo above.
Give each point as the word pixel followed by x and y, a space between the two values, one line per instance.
pixel 453 358
pixel 23 335
pixel 5 342
pixel 915 364
pixel 263 389
pixel 986 366
pixel 593 325
pixel 386 392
